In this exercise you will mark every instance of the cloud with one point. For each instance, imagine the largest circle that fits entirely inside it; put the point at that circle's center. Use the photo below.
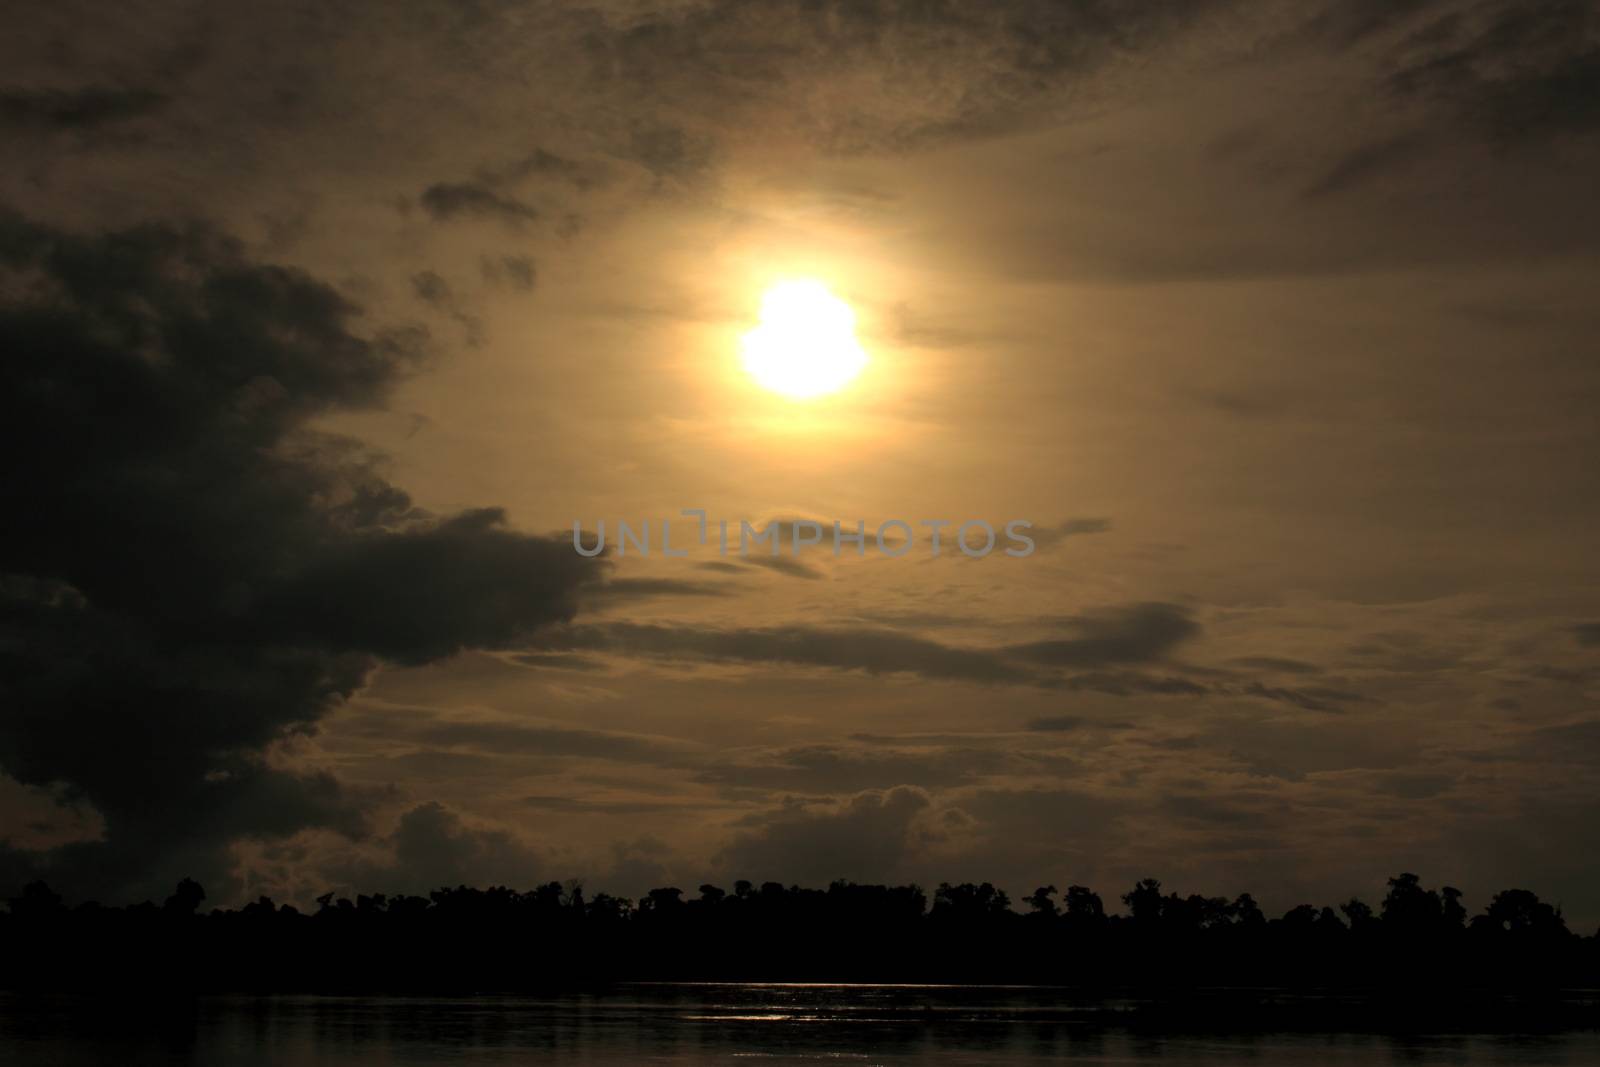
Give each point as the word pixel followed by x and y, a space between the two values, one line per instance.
pixel 490 195
pixel 1046 536
pixel 1349 22
pixel 1518 72
pixel 1413 785
pixel 854 76
pixel 872 651
pixel 867 837
pixel 1132 634
pixel 785 565
pixel 543 163
pixel 1311 698
pixel 1276 665
pixel 449 201
pixel 1130 683
pixel 1138 633
pixel 835 769
pixel 511 738
pixel 1292 748
pixel 668 151
pixel 1587 634
pixel 76 109
pixel 1365 163
pixel 1055 723
pixel 550 802
pixel 193 574
pixel 636 588
pixel 431 847
pixel 431 288
pixel 1108 651
pixel 1565 743
pixel 516 272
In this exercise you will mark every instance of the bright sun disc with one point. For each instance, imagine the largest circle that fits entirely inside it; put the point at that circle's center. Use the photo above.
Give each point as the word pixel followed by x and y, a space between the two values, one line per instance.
pixel 806 343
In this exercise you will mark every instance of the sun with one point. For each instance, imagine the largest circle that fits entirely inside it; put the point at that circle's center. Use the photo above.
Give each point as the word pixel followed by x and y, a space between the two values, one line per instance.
pixel 805 345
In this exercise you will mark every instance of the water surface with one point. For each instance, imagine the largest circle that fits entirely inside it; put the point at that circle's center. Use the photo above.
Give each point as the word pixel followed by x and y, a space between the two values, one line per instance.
pixel 685 1025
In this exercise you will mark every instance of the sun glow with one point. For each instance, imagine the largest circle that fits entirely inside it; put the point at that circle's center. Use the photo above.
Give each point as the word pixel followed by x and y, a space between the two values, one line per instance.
pixel 805 345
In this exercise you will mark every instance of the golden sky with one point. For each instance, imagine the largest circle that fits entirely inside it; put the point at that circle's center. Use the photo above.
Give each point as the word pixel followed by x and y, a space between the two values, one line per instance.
pixel 1276 322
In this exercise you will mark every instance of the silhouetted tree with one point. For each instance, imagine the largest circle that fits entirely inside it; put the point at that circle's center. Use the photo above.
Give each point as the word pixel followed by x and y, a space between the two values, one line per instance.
pixel 1246 912
pixel 1144 901
pixel 1519 912
pixel 1084 904
pixel 1358 912
pixel 658 900
pixel 1039 900
pixel 1410 908
pixel 968 901
pixel 37 902
pixel 1452 911
pixel 186 899
pixel 464 937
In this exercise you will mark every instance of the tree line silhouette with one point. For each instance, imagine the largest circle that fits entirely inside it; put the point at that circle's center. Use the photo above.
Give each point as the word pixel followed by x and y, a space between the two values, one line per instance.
pixel 556 936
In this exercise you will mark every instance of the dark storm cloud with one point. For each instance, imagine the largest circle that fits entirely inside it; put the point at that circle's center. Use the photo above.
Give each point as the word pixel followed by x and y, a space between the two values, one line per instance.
pixel 191 573
pixel 1587 634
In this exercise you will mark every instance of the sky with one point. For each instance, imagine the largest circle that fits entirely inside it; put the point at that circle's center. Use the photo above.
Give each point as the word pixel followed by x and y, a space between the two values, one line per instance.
pixel 325 323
